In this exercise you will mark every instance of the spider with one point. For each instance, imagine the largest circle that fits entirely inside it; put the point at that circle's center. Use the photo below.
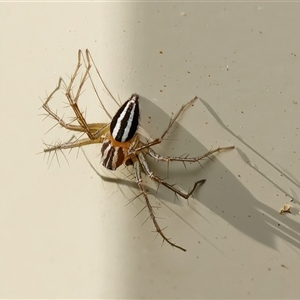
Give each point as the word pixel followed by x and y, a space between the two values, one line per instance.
pixel 120 139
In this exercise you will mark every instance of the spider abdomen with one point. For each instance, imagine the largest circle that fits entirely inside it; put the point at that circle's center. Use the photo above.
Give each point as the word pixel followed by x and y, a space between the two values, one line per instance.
pixel 125 122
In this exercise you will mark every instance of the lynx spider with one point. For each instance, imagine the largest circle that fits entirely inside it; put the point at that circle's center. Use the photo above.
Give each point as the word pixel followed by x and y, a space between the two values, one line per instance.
pixel 121 143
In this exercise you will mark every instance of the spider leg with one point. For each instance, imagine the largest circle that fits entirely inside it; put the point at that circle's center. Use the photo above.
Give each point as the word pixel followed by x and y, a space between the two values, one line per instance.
pixel 138 175
pixel 93 130
pixel 171 123
pixel 90 129
pixel 151 175
pixel 54 115
pixel 88 55
pixel 159 157
pixel 72 144
pixel 73 100
pixel 96 129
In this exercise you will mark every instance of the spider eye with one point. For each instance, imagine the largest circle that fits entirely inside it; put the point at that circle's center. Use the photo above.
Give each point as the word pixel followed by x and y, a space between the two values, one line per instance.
pixel 125 122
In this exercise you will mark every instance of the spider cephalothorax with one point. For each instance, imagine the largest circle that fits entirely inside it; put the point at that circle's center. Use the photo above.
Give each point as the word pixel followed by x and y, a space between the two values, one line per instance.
pixel 121 143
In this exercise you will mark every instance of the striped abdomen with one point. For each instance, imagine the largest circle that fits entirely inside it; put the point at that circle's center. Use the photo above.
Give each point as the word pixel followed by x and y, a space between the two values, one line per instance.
pixel 125 122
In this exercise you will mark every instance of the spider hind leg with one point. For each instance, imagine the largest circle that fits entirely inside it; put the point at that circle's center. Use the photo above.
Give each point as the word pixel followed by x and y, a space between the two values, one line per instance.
pixel 159 157
pixel 151 175
pixel 141 164
pixel 138 175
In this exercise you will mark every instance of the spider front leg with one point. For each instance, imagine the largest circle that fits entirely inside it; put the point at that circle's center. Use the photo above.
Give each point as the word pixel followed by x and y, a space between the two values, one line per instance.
pixel 93 130
pixel 138 174
pixel 73 100
pixel 90 129
pixel 54 115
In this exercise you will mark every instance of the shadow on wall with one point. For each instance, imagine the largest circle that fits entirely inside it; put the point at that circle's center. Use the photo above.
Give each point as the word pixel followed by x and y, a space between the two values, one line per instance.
pixel 222 193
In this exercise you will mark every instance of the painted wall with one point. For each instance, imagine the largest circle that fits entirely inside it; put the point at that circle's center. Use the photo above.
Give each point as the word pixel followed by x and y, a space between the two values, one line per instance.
pixel 68 232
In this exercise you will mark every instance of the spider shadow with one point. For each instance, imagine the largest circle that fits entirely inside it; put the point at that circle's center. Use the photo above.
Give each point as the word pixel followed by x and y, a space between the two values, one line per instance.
pixel 222 193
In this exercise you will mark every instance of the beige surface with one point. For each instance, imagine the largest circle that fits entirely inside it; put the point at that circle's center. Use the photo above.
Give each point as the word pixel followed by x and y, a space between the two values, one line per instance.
pixel 65 233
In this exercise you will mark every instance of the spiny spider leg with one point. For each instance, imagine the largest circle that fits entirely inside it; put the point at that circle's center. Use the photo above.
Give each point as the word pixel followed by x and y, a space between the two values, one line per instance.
pixel 171 123
pixel 73 102
pixel 73 144
pixel 159 140
pixel 54 115
pixel 138 175
pixel 151 175
pixel 88 54
pixel 93 127
pixel 159 157
pixel 93 130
